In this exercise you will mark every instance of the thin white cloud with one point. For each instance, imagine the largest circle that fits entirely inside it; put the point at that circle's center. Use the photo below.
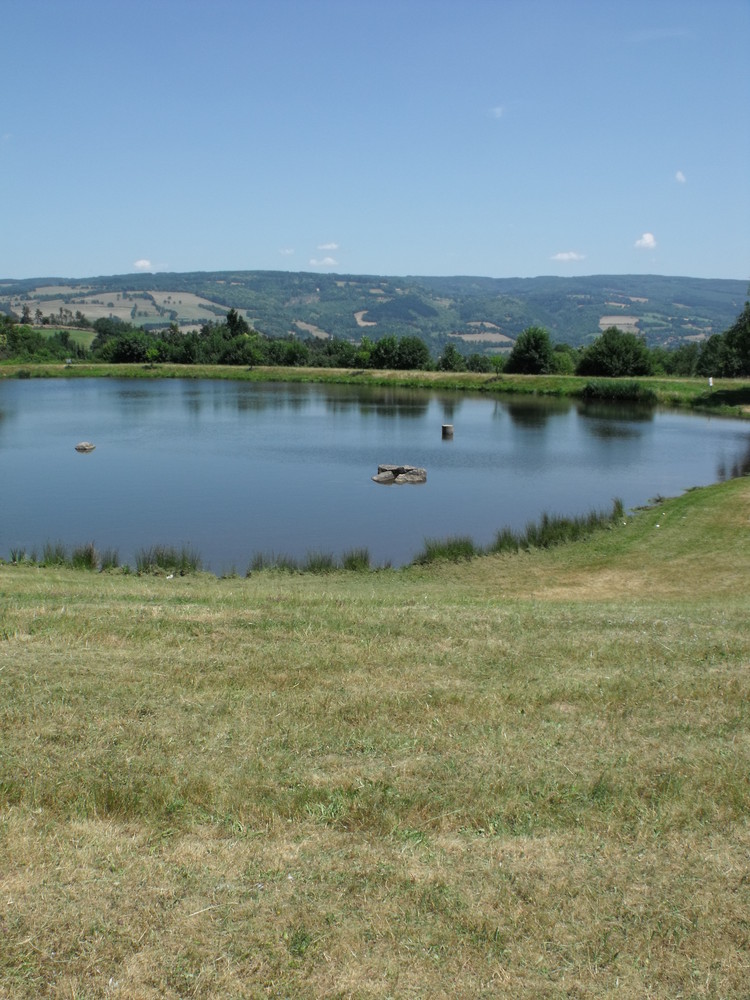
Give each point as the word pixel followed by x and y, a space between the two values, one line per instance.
pixel 143 265
pixel 497 112
pixel 286 252
pixel 680 177
pixel 568 255
pixel 325 262
pixel 328 246
pixel 646 242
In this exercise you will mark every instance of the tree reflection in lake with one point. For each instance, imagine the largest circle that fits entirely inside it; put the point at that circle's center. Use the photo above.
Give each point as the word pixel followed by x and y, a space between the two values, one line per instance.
pixel 234 468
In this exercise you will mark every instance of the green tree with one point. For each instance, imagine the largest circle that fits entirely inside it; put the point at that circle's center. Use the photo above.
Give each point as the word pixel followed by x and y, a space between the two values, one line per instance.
pixel 451 360
pixel 385 353
pixel 129 348
pixel 412 354
pixel 682 360
pixel 236 324
pixel 478 363
pixel 738 341
pixel 532 353
pixel 616 354
pixel 364 354
pixel 564 359
pixel 6 324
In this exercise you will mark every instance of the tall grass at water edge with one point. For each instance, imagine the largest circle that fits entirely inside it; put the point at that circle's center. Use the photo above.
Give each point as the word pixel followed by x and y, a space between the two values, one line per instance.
pixel 354 560
pixel 83 556
pixel 550 530
pixel 166 558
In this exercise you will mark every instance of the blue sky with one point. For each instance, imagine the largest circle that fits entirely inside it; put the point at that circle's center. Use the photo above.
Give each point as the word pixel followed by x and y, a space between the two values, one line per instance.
pixel 487 137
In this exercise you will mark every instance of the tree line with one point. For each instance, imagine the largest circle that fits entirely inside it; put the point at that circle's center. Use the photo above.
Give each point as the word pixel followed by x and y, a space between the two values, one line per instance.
pixel 614 353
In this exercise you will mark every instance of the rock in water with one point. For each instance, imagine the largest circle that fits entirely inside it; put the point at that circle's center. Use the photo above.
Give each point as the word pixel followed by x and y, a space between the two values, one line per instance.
pixel 400 474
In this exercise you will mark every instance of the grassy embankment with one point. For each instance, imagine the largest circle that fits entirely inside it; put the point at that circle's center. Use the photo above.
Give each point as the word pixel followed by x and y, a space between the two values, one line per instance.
pixel 728 396
pixel 522 776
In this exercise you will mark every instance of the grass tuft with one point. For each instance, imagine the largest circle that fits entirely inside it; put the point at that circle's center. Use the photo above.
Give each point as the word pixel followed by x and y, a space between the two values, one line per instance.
pixel 452 549
pixel 85 557
pixel 166 558
pixel 271 561
pixel 54 554
pixel 356 560
pixel 110 559
pixel 319 562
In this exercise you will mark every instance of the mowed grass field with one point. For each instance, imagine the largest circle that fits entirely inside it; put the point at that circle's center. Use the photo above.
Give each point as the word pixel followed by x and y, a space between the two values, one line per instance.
pixel 520 776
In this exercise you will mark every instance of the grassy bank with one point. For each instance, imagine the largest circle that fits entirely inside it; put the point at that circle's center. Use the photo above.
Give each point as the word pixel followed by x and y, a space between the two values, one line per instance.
pixel 524 775
pixel 727 396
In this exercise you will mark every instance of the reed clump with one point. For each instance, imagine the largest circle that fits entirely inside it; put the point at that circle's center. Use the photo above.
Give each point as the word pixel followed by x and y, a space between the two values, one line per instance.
pixel 54 554
pixel 452 549
pixel 110 559
pixel 167 559
pixel 554 529
pixel 85 557
pixel 315 562
pixel 550 530
pixel 356 560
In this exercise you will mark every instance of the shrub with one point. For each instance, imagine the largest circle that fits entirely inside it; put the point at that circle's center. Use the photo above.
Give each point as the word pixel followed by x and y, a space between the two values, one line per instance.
pixel 620 390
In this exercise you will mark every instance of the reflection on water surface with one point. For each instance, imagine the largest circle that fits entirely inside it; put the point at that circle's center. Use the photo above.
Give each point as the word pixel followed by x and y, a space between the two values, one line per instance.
pixel 235 468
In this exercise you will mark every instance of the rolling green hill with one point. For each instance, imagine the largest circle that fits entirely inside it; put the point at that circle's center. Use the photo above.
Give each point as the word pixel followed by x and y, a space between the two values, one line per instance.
pixel 486 313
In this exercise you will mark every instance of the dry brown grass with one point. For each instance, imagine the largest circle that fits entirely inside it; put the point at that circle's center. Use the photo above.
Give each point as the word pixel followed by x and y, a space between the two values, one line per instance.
pixel 522 776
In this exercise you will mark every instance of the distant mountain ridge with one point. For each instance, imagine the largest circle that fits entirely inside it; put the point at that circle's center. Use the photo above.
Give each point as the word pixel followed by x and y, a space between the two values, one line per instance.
pixel 487 314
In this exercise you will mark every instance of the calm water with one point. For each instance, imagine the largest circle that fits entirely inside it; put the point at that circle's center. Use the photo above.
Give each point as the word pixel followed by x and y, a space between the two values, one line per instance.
pixel 234 469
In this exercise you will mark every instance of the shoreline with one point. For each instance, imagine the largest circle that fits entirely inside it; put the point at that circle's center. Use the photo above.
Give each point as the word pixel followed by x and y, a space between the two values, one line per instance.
pixel 726 397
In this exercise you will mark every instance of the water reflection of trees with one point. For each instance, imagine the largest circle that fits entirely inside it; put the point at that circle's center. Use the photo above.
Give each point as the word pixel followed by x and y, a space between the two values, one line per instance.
pixel 4 417
pixel 615 421
pixel 138 399
pixel 739 467
pixel 242 398
pixel 380 401
pixel 451 406
pixel 624 412
pixel 534 413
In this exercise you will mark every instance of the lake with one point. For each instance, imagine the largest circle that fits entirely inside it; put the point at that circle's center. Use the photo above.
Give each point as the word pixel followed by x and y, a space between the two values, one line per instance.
pixel 233 469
